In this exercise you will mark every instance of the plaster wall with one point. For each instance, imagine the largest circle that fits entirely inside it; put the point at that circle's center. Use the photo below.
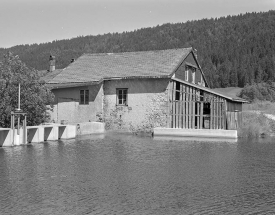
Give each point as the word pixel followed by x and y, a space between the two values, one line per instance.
pixel 67 107
pixel 146 108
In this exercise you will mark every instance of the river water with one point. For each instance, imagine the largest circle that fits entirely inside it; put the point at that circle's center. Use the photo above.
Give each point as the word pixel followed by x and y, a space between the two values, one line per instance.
pixel 125 174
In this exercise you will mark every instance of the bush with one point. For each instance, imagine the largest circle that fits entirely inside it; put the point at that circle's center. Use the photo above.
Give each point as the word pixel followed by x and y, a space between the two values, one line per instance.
pixel 255 124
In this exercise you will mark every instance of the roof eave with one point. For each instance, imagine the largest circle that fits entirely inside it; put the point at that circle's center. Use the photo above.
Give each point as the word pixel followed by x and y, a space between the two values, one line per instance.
pixel 209 90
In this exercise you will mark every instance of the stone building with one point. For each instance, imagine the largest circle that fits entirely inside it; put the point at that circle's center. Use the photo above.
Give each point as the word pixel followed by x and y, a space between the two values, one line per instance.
pixel 137 91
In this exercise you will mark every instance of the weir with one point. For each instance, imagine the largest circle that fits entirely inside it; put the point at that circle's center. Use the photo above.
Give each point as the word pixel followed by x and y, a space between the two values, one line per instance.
pixel 36 134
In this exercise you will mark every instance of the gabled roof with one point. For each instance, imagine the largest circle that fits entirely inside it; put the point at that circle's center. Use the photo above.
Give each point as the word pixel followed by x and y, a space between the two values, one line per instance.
pixel 48 76
pixel 98 67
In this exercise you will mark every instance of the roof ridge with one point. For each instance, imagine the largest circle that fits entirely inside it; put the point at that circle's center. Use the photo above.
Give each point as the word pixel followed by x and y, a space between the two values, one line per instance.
pixel 133 52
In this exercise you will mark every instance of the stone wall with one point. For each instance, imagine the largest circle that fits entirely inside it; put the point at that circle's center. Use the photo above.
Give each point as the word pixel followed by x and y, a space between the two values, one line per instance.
pixel 67 107
pixel 147 105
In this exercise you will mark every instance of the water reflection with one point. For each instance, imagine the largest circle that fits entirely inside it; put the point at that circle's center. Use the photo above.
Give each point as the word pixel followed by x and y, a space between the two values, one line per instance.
pixel 123 174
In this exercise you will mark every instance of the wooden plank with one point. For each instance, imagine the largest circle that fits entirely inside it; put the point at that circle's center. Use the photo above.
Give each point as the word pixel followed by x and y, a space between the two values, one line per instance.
pixel 225 110
pixel 188 104
pixel 221 113
pixel 190 109
pixel 215 113
pixel 193 106
pixel 184 107
pixel 219 110
pixel 201 115
pixel 174 105
pixel 176 114
pixel 169 118
pixel 180 108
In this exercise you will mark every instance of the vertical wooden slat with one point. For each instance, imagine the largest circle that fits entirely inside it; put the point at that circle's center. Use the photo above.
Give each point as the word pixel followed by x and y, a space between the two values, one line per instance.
pixel 215 113
pixel 177 114
pixel 170 109
pixel 221 113
pixel 201 114
pixel 184 107
pixel 211 113
pixel 225 110
pixel 174 105
pixel 219 110
pixel 190 108
pixel 180 109
pixel 193 107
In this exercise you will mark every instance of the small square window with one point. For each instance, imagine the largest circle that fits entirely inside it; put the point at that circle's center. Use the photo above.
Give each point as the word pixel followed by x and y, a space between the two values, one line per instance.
pixel 84 97
pixel 122 96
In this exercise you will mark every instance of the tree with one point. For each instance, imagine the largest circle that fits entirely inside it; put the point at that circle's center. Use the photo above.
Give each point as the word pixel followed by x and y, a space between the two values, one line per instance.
pixel 36 97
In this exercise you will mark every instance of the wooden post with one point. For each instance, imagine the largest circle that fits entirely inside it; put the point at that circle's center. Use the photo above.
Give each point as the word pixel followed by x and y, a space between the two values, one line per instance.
pixel 24 130
pixel 168 106
pixel 189 109
pixel 174 104
pixel 211 112
pixel 184 107
pixel 201 114
pixel 180 110
pixel 170 109
pixel 219 107
pixel 193 107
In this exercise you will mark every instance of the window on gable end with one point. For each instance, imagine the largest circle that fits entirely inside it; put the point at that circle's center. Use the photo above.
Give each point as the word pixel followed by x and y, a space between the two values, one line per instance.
pixel 193 75
pixel 186 72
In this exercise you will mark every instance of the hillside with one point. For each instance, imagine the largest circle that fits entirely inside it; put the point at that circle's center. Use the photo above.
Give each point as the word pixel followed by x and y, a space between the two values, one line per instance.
pixel 232 50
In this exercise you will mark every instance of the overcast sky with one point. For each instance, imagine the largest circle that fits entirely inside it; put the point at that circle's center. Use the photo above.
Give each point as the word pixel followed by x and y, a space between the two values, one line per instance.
pixel 39 21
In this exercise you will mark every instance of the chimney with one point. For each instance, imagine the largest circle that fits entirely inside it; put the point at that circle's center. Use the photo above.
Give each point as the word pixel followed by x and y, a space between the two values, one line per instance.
pixel 52 63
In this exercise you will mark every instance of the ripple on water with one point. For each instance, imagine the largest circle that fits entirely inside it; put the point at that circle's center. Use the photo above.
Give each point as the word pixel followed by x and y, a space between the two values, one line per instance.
pixel 124 174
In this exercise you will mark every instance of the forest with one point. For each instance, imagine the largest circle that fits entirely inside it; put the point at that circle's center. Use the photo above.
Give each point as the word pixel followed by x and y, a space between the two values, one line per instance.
pixel 233 51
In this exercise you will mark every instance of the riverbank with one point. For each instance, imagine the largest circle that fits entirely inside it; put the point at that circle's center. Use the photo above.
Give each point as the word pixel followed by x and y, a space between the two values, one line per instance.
pixel 258 120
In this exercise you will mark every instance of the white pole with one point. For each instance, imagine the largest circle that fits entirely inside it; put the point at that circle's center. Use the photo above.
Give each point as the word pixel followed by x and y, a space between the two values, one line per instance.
pixel 19 96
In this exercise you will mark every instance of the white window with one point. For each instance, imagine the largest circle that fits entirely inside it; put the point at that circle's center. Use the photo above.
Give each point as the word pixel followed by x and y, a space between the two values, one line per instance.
pixel 122 96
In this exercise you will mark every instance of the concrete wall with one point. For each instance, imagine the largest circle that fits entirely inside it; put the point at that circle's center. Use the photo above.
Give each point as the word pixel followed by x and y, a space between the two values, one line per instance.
pixel 147 105
pixel 67 107
pixel 90 128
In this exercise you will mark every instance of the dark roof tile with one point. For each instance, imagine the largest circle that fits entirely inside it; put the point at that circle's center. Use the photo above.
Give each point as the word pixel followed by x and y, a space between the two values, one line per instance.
pixel 95 67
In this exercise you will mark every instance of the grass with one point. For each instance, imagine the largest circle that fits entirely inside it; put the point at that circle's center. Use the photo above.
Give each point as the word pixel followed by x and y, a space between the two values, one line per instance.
pixel 255 123
pixel 266 107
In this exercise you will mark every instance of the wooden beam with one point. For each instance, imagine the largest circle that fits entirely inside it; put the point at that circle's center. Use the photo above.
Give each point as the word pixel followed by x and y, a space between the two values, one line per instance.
pixel 169 120
pixel 180 109
pixel 174 105
pixel 194 107
pixel 184 107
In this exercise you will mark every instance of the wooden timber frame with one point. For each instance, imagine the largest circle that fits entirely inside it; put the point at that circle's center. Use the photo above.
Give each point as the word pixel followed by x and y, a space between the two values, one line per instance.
pixel 193 108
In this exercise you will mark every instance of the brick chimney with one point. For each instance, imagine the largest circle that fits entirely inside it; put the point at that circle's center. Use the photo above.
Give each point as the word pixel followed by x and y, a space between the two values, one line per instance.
pixel 52 63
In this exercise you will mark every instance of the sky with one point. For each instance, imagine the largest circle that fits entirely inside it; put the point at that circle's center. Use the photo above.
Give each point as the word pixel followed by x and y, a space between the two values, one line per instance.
pixel 40 21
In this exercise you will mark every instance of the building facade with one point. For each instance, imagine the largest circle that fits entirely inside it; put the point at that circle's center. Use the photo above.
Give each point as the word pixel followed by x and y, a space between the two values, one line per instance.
pixel 137 91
